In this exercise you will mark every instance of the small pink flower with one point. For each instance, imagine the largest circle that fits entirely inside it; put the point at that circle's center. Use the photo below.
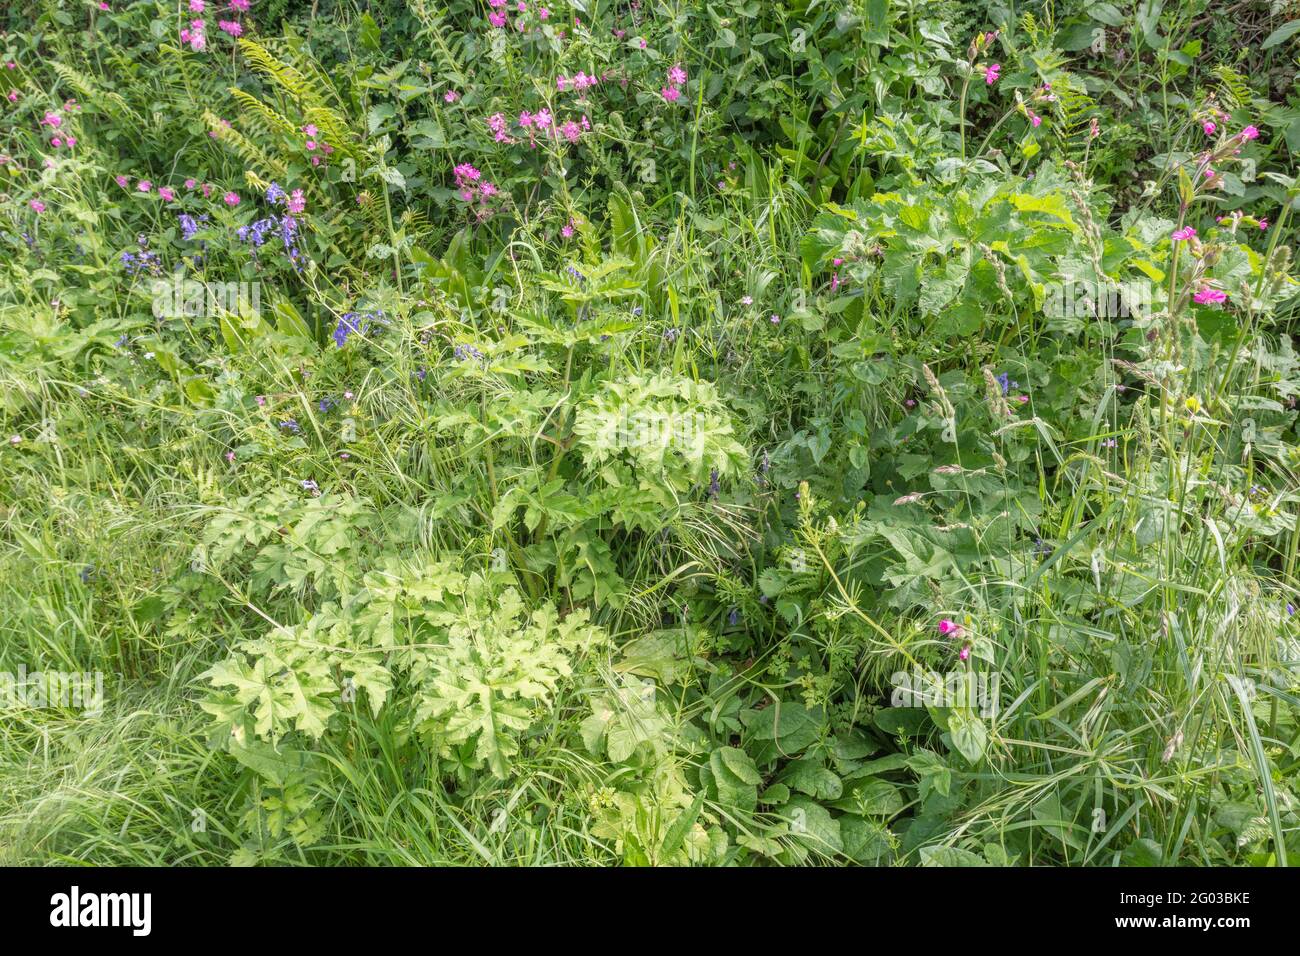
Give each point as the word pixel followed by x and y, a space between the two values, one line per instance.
pixel 56 142
pixel 1183 234
pixel 166 194
pixel 451 96
pixel 207 190
pixel 676 75
pixel 1210 296
pixel 13 96
pixel 776 319
pixel 1034 119
pixel 310 130
pixel 1250 132
pixel 297 202
pixel 38 207
pixel 964 654
pixel 121 181
pixel 196 6
pixel 261 400
pixel 144 186
pixel 948 626
pixel 562 83
pixel 310 144
pixel 1209 127
pixel 240 5
pixel 566 231
pixel 71 141
pixel 103 5
pixel 231 199
pixel 232 27
pixel 189 184
pixel 52 119
pixel 497 19
pixel 543 13
pixel 230 456
pixel 1263 225
pixel 991 73
pixel 670 93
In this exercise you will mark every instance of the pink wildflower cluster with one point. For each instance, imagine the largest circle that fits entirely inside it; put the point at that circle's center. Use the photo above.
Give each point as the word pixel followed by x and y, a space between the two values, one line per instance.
pixel 233 27
pixel 950 628
pixel 313 145
pixel 580 82
pixel 549 126
pixel 498 124
pixel 676 79
pixel 194 34
pixel 473 188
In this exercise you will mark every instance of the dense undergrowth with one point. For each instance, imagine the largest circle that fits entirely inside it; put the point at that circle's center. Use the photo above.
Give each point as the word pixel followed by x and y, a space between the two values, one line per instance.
pixel 496 433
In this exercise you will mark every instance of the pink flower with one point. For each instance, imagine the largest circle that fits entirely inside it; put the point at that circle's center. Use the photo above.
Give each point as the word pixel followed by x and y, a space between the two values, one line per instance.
pixel 38 207
pixel 991 73
pixel 196 6
pixel 189 184
pixel 948 626
pixel 566 231
pixel 13 96
pixel 561 83
pixel 166 194
pixel 964 654
pixel 525 119
pixel 1263 225
pixel 776 319
pixel 310 144
pixel 497 19
pixel 310 130
pixel 71 141
pixel 542 119
pixel 1250 132
pixel 670 93
pixel 1183 234
pixel 676 75
pixel 52 119
pixel 571 131
pixel 451 96
pixel 1209 127
pixel 103 5
pixel 1034 119
pixel 231 199
pixel 207 190
pixel 543 13
pixel 56 142
pixel 240 5
pixel 144 185
pixel 297 202
pixel 1210 296
pixel 121 181
pixel 231 26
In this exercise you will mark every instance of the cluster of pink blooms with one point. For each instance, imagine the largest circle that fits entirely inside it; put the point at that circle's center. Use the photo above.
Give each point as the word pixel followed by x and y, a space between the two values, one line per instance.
pixel 498 17
pixel 193 34
pixel 580 81
pixel 196 33
pixel 676 79
pixel 165 193
pixel 472 187
pixel 312 145
pixel 950 628
pixel 545 123
pixel 498 124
